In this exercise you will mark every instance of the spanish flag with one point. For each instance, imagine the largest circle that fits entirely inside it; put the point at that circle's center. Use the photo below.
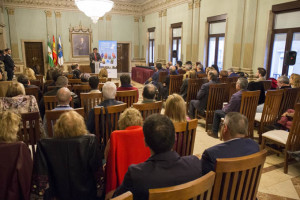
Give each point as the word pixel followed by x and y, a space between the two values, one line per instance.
pixel 54 52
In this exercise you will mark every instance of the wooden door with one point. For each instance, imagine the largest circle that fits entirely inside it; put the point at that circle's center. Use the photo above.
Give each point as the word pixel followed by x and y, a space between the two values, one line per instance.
pixel 123 57
pixel 34 55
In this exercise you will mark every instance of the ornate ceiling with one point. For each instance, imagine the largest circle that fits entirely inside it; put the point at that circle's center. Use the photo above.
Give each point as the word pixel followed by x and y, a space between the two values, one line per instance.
pixel 127 7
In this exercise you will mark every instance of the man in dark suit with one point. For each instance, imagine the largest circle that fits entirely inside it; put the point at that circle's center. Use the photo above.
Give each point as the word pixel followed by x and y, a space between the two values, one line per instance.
pixel 9 64
pixel 25 81
pixel 154 78
pixel 283 82
pixel 165 167
pixel 233 106
pixel 94 57
pixel 236 145
pixel 202 95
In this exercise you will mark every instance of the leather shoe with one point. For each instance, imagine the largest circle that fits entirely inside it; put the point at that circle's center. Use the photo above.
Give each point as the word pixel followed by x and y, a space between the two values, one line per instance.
pixel 210 133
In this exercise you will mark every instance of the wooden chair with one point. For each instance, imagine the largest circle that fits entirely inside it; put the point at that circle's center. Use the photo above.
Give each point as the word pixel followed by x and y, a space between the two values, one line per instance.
pixel 181 71
pixel 200 188
pixel 248 108
pixel 101 85
pixel 201 75
pixel 162 76
pixel 77 89
pixel 128 96
pixel 48 82
pixel 106 124
pixel 51 102
pixel 267 84
pixel 233 79
pixel 270 111
pixel 148 109
pixel 34 92
pixel 37 83
pixel 53 115
pixel 175 83
pixel 54 87
pixel 185 134
pixel 30 132
pixel 238 178
pixel 40 78
pixel 126 196
pixel 290 96
pixel 214 102
pixel 290 141
pixel 194 85
pixel 74 82
pixel 231 90
pixel 93 74
pixel 224 80
pixel 89 101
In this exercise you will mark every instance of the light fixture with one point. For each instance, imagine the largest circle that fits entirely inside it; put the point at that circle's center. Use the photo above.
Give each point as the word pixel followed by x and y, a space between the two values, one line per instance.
pixel 94 8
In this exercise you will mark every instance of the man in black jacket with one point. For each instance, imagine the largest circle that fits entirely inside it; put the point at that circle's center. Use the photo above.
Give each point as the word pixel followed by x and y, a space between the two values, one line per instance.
pixel 9 64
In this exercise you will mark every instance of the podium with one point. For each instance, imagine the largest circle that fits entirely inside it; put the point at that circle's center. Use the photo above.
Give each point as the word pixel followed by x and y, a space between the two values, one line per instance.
pixel 112 72
pixel 97 67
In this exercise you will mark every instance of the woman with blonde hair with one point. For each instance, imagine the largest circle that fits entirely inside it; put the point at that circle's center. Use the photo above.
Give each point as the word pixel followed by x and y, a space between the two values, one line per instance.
pixel 103 73
pixel 295 80
pixel 15 159
pixel 68 162
pixel 176 108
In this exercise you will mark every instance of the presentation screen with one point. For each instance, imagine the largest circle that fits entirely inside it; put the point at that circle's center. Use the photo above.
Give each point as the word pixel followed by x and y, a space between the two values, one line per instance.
pixel 108 53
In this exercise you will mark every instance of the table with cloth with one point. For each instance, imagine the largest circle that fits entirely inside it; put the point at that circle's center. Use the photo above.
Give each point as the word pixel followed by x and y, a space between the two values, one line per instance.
pixel 140 74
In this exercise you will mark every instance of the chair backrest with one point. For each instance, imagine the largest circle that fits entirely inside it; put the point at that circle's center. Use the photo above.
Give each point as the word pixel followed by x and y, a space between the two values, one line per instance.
pixel 34 92
pixel 238 178
pixel 81 89
pixel 290 96
pixel 248 108
pixel 126 196
pixel 175 84
pixel 89 101
pixel 194 85
pixel 233 79
pixel 271 107
pixel 162 76
pixel 70 76
pixel 74 82
pixel 51 102
pixel 30 132
pixel 267 84
pixel 215 100
pixel 54 87
pixel 127 96
pixel 148 109
pixel 224 80
pixel 40 78
pixel 53 115
pixel 181 71
pixel 106 125
pixel 293 141
pixel 200 188
pixel 232 89
pixel 185 137
pixel 101 85
pixel 37 83
pixel 201 75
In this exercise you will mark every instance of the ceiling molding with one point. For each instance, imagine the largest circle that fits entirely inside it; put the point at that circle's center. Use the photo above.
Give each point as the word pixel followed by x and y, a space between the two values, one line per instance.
pixel 120 7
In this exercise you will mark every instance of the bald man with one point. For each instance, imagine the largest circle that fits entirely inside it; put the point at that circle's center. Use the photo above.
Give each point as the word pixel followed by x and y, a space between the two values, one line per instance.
pixel 149 92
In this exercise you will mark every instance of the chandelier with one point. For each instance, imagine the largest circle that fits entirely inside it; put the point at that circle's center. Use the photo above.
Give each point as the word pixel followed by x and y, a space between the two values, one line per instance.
pixel 94 8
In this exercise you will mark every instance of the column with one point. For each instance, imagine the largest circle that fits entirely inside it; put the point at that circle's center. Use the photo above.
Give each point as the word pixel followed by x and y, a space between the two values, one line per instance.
pixel 13 34
pixel 58 24
pixel 164 37
pixel 108 28
pixel 101 29
pixel 3 42
pixel 189 27
pixel 158 38
pixel 136 45
pixel 49 24
pixel 143 39
pixel 195 32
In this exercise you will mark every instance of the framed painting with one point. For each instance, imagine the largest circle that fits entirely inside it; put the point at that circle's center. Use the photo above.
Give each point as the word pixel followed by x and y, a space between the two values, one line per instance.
pixel 80 39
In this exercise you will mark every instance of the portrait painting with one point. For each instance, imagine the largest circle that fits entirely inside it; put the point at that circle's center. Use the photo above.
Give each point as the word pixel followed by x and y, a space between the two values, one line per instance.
pixel 81 44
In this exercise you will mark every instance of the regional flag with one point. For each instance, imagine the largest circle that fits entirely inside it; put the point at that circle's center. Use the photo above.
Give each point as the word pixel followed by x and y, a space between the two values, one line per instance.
pixel 54 53
pixel 60 53
pixel 50 58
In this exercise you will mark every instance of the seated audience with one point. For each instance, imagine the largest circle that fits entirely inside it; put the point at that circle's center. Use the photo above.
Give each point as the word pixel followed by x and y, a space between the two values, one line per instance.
pixel 126 85
pixel 235 144
pixel 85 78
pixel 231 73
pixel 295 80
pixel 260 74
pixel 149 93
pixel 184 86
pixel 155 76
pixel 188 67
pixel 168 65
pixel 36 68
pixel 53 74
pixel 29 73
pixel 130 137
pixel 178 65
pixel 163 88
pixel 223 74
pixel 103 73
pixel 26 83
pixel 199 68
pixel 233 106
pixel 202 95
pixel 49 74
pixel 283 82
pixel 216 68
pixel 94 84
pixel 75 71
pixel 208 69
pixel 16 163
pixel 162 169
pixel 109 91
pixel 68 166
pixel 176 108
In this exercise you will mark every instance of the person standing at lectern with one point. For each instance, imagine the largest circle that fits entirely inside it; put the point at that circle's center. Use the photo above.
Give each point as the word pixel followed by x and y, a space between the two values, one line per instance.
pixel 94 57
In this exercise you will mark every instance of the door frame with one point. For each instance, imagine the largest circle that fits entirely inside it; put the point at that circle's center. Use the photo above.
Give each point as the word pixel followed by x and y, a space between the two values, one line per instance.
pixel 44 52
pixel 129 55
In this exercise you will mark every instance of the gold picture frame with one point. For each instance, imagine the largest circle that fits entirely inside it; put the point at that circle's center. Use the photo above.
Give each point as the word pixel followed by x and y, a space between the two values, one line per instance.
pixel 81 39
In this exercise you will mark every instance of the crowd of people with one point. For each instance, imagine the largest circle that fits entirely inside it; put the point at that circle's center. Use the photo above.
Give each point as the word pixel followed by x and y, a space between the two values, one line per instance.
pixel 72 164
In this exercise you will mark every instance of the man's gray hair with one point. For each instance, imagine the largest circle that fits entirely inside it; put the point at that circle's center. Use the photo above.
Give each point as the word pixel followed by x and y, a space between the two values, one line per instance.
pixel 284 79
pixel 230 70
pixel 62 81
pixel 109 90
pixel 243 83
pixel 236 123
pixel 172 68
